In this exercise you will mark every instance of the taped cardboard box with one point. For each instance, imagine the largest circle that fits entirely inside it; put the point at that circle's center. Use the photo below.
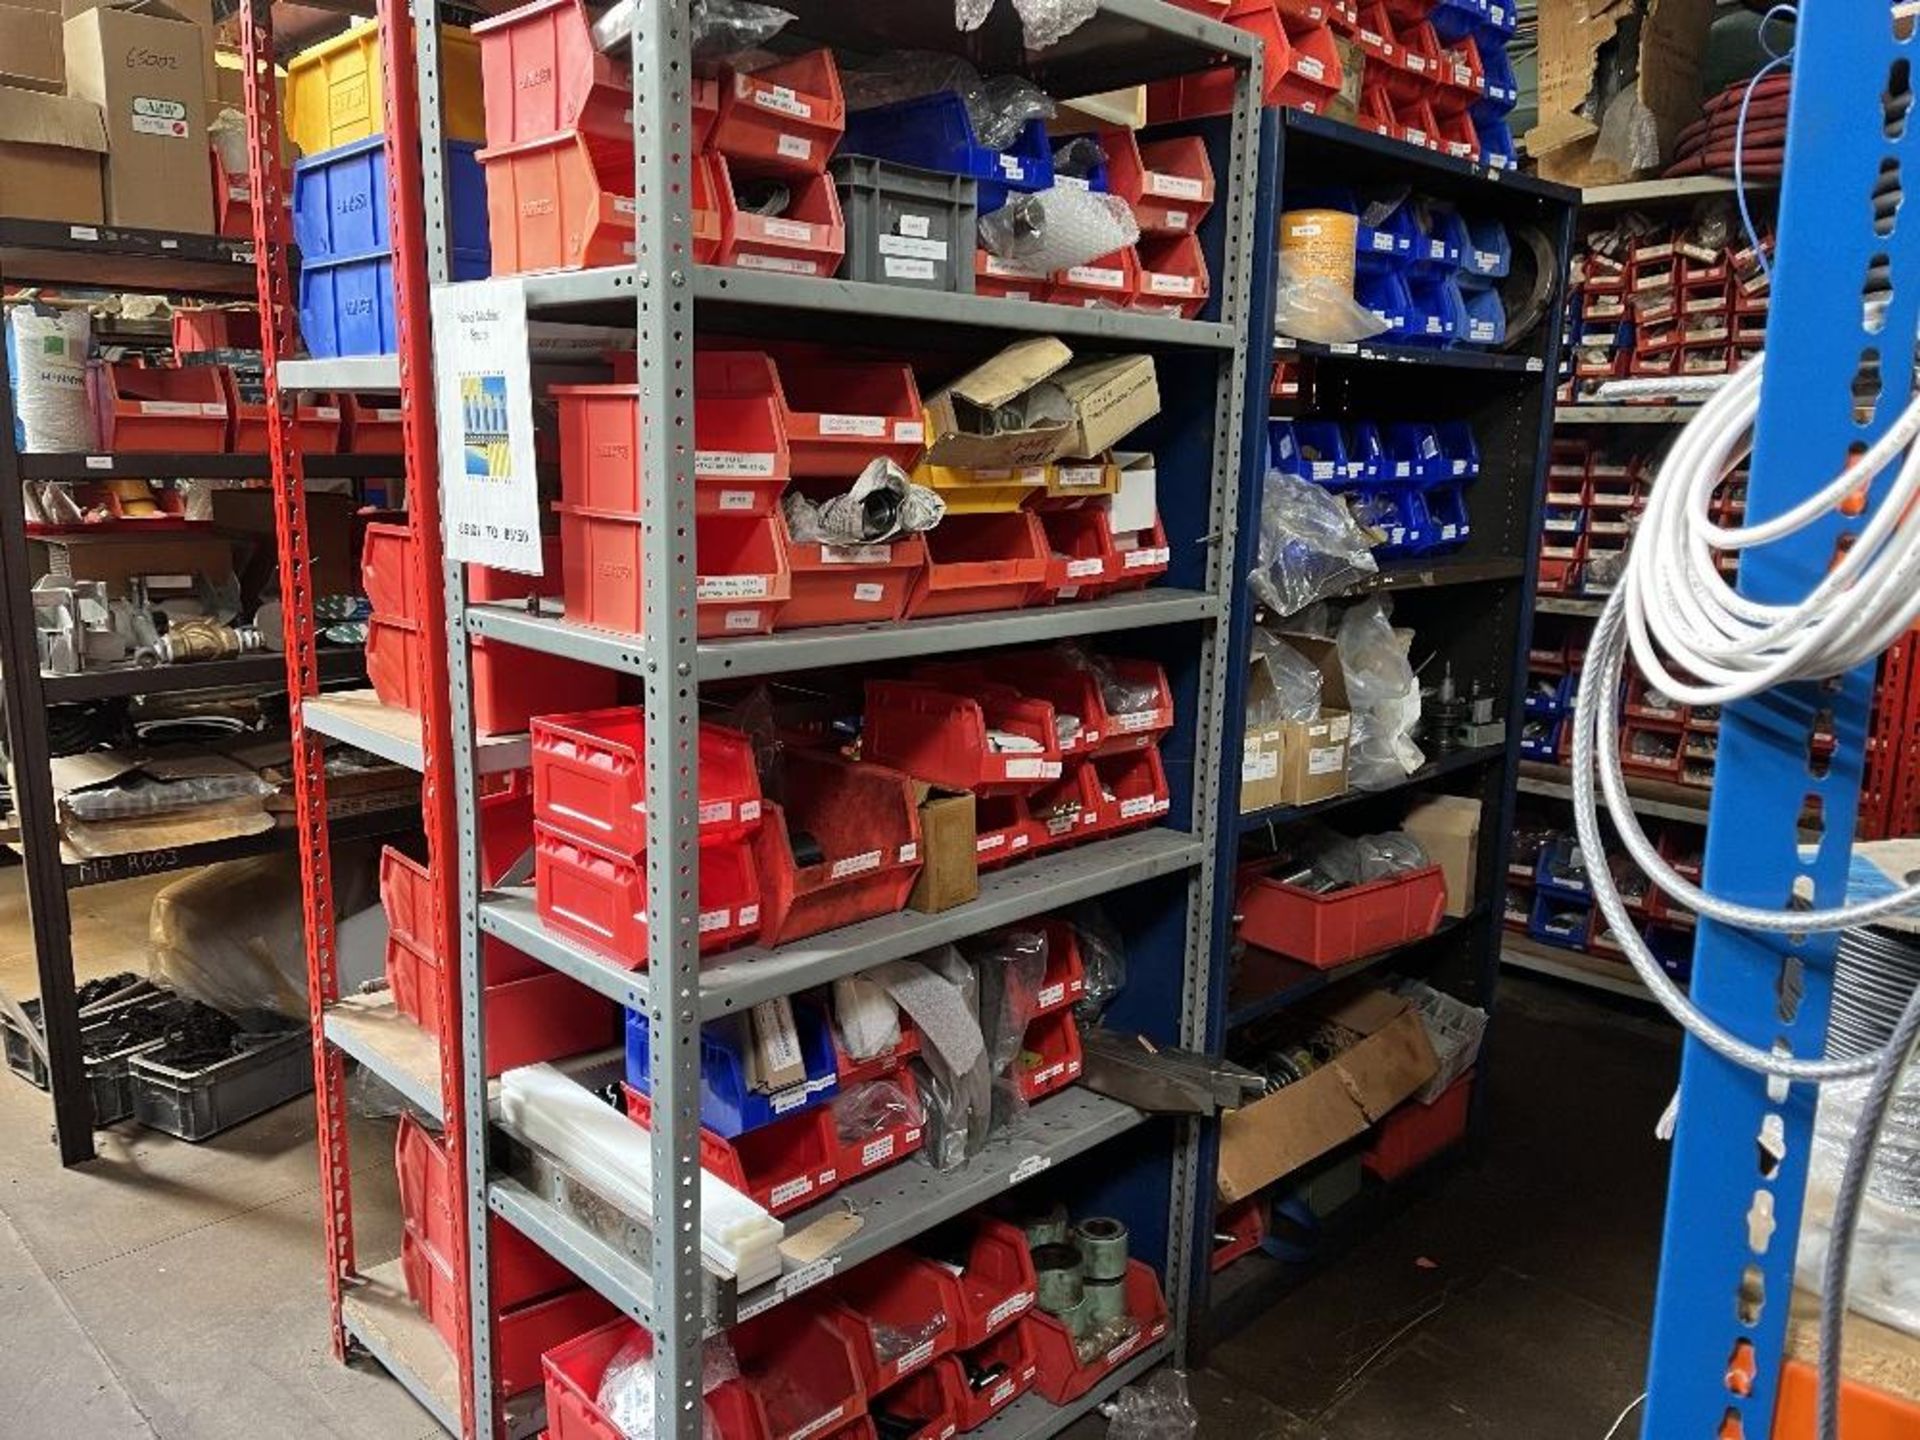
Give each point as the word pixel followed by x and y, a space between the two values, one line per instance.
pixel 1448 829
pixel 32 53
pixel 950 862
pixel 1344 1098
pixel 1110 395
pixel 199 12
pixel 50 151
pixel 1296 762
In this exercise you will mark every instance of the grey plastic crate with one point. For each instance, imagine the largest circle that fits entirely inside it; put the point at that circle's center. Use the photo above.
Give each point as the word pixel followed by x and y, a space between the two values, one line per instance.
pixel 24 1059
pixel 199 1104
pixel 906 226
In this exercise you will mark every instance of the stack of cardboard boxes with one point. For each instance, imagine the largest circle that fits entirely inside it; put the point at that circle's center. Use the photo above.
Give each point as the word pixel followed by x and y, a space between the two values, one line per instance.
pixel 104 110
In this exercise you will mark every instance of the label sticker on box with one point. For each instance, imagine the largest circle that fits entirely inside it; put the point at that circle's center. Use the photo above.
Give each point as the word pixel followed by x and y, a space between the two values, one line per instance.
pixel 1161 283
pixel 855 865
pixel 772 97
pixel 1013 1304
pixel 1100 276
pixel 871 1154
pixel 909 432
pixel 1150 555
pixel 1131 720
pixel 1137 806
pixel 1259 763
pixel 1080 477
pixel 779 264
pixel 716 812
pixel 1012 167
pixel 385 413
pixel 914 245
pixel 1311 66
pixel 172 407
pixel 711 920
pixel 1179 187
pixel 868 593
pixel 731 587
pixel 923 1352
pixel 790 1190
pixel 899 269
pixel 1324 760
pixel 1085 569
pixel 158 117
pixel 909 852
pixel 743 620
pixel 736 500
pixel 1027 768
pixel 989 842
pixel 732 462
pixel 791 230
pixel 795 147
pixel 1051 995
pixel 917 227
pixel 856 554
pixel 874 427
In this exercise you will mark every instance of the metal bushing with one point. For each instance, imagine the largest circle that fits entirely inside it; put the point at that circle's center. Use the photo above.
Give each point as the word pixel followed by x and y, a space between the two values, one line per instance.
pixel 1059 1277
pixel 1043 1225
pixel 1103 1247
pixel 1106 1302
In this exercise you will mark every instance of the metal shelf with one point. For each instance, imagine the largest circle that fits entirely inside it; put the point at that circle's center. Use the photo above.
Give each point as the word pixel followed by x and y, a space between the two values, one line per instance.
pixel 894 1205
pixel 830 645
pixel 265 668
pixel 372 1030
pixel 105 869
pixel 1449 764
pixel 1656 798
pixel 1432 356
pixel 1624 414
pixel 167 465
pixel 398 1334
pixel 1615 977
pixel 1400 154
pixel 1435 574
pixel 116 258
pixel 1568 605
pixel 345 372
pixel 1034 1417
pixel 1667 192
pixel 738 979
pixel 358 718
pixel 1294 980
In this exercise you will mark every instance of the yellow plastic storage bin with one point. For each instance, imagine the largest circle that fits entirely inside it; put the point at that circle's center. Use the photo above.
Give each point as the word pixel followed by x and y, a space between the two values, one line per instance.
pixel 336 91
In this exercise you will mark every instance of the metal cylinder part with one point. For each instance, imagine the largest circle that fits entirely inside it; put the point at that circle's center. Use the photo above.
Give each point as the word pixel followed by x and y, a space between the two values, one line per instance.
pixel 1043 1225
pixel 1074 1317
pixel 1059 1277
pixel 1103 1247
pixel 1106 1302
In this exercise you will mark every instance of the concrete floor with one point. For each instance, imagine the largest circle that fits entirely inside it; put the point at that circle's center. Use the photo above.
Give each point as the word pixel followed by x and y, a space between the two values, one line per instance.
pixel 176 1290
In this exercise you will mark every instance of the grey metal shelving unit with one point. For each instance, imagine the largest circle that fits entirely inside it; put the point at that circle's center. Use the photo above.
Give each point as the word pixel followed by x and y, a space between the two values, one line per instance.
pixel 663 1285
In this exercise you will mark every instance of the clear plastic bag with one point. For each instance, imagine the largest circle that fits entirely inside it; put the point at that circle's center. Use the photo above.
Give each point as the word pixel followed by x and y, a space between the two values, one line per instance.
pixel 1297 683
pixel 1629 134
pixel 1313 307
pixel 1384 695
pixel 1011 966
pixel 866 1020
pixel 1103 955
pixel 883 504
pixel 1155 1409
pixel 1309 546
pixel 721 28
pixel 1883 1282
pixel 1047 22
pixel 143 798
pixel 626 1386
pixel 872 1109
pixel 1344 861
pixel 1059 228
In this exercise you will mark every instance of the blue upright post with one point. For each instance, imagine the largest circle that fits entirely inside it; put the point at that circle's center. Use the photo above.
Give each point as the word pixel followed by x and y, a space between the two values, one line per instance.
pixel 1837 374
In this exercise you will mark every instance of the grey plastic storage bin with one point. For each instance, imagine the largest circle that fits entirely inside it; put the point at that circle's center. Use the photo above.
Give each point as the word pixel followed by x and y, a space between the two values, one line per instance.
pixel 906 226
pixel 199 1104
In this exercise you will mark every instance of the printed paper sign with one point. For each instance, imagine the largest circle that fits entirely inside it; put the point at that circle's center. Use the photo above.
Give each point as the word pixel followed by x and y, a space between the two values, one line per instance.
pixel 489 491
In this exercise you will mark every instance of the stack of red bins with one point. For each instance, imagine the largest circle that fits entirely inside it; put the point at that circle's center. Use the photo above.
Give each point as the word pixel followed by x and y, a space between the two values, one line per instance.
pixel 1301 63
pixel 395 659
pixel 590 832
pixel 560 156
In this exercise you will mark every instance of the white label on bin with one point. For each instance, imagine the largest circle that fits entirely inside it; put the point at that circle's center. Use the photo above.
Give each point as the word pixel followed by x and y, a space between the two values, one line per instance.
pixel 874 427
pixel 1325 759
pixel 772 97
pixel 749 914
pixel 1133 720
pixel 716 812
pixel 1052 995
pixel 790 230
pixel 1146 556
pixel 1015 1304
pixel 791 1190
pixel 387 413
pixel 99 462
pixel 743 620
pixel 1101 276
pixel 988 842
pixel 1179 187
pixel 625 205
pixel 1486 260
pixel 923 1352
pixel 996 266
pixel 855 865
pixel 1176 219
pixel 1001 1393
pixel 736 501
pixel 1307 231
pixel 1080 477
pixel 326 412
pixel 1025 767
pixel 794 147
pixel 914 245
pixel 784 1100
pixel 898 269
pixel 732 462
pixel 856 554
pixel 730 587
pixel 1012 167
pixel 158 117
pixel 1085 569
pixel 1050 1072
pixel 819 1423
pixel 1161 283
pixel 1449 532
pixel 779 263
pixel 807 1276
pixel 749 812
pixel 917 227
pixel 1122 1350
pixel 871 1154
pixel 909 432
pixel 1137 806
pixel 909 852
pixel 1073 182
pixel 82 232
pixel 868 593
pixel 169 407
pixel 1310 66
pixel 711 920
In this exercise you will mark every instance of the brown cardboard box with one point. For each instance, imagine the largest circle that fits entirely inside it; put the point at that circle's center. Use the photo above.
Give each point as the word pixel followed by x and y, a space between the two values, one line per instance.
pixel 50 149
pixel 1345 106
pixel 100 769
pixel 1275 1136
pixel 142 66
pixel 955 413
pixel 1448 829
pixel 950 866
pixel 1111 397
pixel 1297 762
pixel 32 54
pixel 200 12
pixel 167 562
pixel 330 529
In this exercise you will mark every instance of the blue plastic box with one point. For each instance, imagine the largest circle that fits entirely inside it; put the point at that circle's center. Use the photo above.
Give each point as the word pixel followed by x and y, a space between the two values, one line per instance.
pixel 1385 293
pixel 1503 87
pixel 1367 459
pixel 1437 313
pixel 346 304
pixel 728 1106
pixel 1453 18
pixel 1559 849
pixel 340 200
pixel 1323 451
pixel 1398 512
pixel 1485 316
pixel 1461 449
pixel 1442 239
pixel 1452 523
pixel 1416 453
pixel 1496 142
pixel 936 133
pixel 1489 252
pixel 1557 920
pixel 1540 738
pixel 1283 450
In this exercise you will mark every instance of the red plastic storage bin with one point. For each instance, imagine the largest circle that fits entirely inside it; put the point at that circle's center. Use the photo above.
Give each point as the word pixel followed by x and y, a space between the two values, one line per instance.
pixel 905 1295
pixel 1243 1227
pixel 1065 981
pixel 740 450
pixel 850 584
pixel 1173 277
pixel 1313 76
pixel 842 415
pixel 565 202
pixel 981 562
pixel 1210 92
pixel 180 409
pixel 511 685
pixel 1008 279
pixel 1013 1348
pixel 922 1400
pixel 1062 1378
pixel 802 1374
pixel 1053 1042
pixel 869 1151
pixel 1071 809
pixel 1139 729
pixel 863 818
pixel 783 1167
pixel 743 579
pixel 943 736
pixel 1089 560
pixel 781 119
pixel 316 421
pixel 590 778
pixel 1004 830
pixel 997 1286
pixel 573 1372
pixel 541 73
pixel 215 327
pixel 1133 786
pixel 369 427
pixel 387 575
pixel 395 663
pixel 600 896
pixel 853 1072
pixel 1329 930
pixel 1109 282
pixel 807 238
pixel 1414 1133
pixel 1142 556
pixel 1168 183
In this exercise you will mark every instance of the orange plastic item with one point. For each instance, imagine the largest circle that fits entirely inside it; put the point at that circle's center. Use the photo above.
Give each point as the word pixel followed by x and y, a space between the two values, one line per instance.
pixel 842 415
pixel 945 736
pixel 316 425
pixel 512 685
pixel 981 562
pixel 541 73
pixel 781 119
pixel 744 577
pixel 1008 279
pixel 850 584
pixel 1415 1133
pixel 600 895
pixel 589 778
pixel 1865 1413
pixel 784 1167
pixel 740 446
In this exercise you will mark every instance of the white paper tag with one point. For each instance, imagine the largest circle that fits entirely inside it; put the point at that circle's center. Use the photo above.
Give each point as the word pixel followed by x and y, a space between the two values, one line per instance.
pixel 742 621
pixel 1011 1306
pixel 790 230
pixel 873 1153
pixel 82 232
pixel 711 920
pixel 731 587
pixel 856 554
pixel 896 268
pixel 1161 283
pixel 1324 760
pixel 874 427
pixel 1145 558
pixel 1311 66
pixel 855 865
pixel 985 843
pixel 1097 276
pixel 716 812
pixel 807 1276
pixel 909 432
pixel 1137 806
pixel 1178 187
pixel 1086 569
pixel 916 227
pixel 772 97
pixel 1026 768
pixel 790 1190
pixel 868 593
pixel 1028 1168
pixel 172 407
pixel 490 491
pixel 779 264
pixel 733 462
pixel 1051 995
pixel 794 147
pixel 917 246
pixel 923 1352
pixel 1079 477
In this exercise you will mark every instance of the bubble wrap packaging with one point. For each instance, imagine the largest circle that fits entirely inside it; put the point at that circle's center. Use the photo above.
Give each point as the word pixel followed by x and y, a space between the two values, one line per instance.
pixel 1059 228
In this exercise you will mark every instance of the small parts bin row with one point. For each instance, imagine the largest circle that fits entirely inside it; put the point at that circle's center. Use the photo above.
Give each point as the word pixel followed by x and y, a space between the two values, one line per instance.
pixel 1658 298
pixel 1595 498
pixel 1326 899
pixel 1405 482
pixel 1549 897
pixel 220 409
pixel 930 1340
pixel 1660 738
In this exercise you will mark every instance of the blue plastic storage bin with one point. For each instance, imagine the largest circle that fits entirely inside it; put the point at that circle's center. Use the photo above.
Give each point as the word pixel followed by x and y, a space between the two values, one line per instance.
pixel 1283 450
pixel 1367 458
pixel 1397 512
pixel 1416 453
pixel 1672 946
pixel 935 133
pixel 1557 920
pixel 1443 238
pixel 1451 522
pixel 1540 738
pixel 728 1105
pixel 1485 318
pixel 1503 87
pixel 1385 293
pixel 1453 18
pixel 1503 18
pixel 346 303
pixel 1323 451
pixel 1437 314
pixel 1461 449
pixel 1496 142
pixel 340 200
pixel 1557 852
pixel 1489 252
pixel 1545 695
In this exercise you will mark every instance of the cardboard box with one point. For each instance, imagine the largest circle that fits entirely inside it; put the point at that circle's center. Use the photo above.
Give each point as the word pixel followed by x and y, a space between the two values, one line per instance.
pixel 200 12
pixel 1345 106
pixel 50 149
pixel 168 562
pixel 1275 1136
pixel 1296 762
pixel 956 414
pixel 1112 397
pixel 32 53
pixel 330 532
pixel 142 66
pixel 101 769
pixel 1448 829
pixel 950 865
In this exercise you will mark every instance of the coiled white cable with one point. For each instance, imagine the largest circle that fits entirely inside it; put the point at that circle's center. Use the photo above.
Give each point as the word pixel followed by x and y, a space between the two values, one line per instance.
pixel 1700 642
